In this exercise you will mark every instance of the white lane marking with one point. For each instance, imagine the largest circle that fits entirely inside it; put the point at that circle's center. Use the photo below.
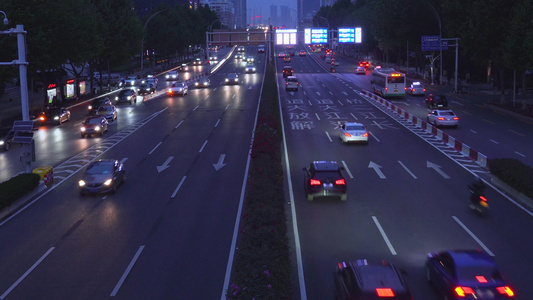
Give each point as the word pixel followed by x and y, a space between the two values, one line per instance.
pixel 495 142
pixel 519 154
pixel 330 93
pixel 374 136
pixel 347 170
pixel 458 103
pixel 310 103
pixel 406 169
pixel 473 236
pixel 178 124
pixel 377 169
pixel 473 131
pixel 384 235
pixel 329 137
pixel 354 116
pixel 203 146
pixel 127 272
pixel 227 107
pixel 153 149
pixel 179 186
pixel 195 108
pixel 342 104
pixel 14 285
pixel 317 116
pixel 218 121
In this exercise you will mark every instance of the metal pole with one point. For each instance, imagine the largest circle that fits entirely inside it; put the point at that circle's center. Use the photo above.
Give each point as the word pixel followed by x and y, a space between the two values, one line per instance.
pixel 23 67
pixel 142 40
pixel 456 62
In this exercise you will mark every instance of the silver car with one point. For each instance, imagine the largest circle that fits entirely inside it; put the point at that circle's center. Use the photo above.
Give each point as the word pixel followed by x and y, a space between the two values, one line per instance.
pixel 172 75
pixel 416 88
pixel 108 111
pixel 443 117
pixel 102 176
pixel 178 88
pixel 353 132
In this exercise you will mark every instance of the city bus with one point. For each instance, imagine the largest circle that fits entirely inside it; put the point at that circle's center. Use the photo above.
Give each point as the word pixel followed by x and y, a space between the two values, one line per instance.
pixel 388 82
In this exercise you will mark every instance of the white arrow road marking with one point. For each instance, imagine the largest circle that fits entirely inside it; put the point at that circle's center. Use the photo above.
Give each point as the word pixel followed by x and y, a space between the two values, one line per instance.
pixel 376 168
pixel 220 164
pixel 165 165
pixel 437 169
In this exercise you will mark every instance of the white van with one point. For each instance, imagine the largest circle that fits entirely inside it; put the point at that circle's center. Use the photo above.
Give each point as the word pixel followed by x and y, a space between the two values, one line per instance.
pixel 114 79
pixel 291 83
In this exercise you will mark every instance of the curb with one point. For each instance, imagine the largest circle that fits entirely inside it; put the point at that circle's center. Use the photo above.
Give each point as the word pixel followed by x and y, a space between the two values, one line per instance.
pixel 514 194
pixel 7 212
pixel 509 113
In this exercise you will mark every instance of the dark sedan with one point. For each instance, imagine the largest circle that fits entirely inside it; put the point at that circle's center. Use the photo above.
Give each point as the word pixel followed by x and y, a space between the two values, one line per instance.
pixel 94 125
pixel 54 115
pixel 96 103
pixel 466 274
pixel 126 96
pixel 102 176
pixel 146 89
pixel 324 179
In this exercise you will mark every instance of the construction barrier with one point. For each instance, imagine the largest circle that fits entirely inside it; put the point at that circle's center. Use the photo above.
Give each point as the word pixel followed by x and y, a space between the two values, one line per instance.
pixel 46 174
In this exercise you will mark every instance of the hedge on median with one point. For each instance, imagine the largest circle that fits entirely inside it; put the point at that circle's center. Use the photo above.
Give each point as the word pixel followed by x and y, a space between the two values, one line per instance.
pixel 17 187
pixel 514 173
pixel 261 268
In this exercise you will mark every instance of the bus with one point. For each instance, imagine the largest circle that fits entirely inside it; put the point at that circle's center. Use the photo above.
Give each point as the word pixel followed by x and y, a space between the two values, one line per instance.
pixel 388 82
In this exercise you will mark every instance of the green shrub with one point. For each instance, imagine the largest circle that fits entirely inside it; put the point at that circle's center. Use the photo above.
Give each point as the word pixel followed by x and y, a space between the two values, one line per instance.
pixel 17 187
pixel 261 268
pixel 514 173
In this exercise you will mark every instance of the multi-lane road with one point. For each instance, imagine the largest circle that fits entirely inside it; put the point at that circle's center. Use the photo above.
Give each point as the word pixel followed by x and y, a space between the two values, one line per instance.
pixel 168 231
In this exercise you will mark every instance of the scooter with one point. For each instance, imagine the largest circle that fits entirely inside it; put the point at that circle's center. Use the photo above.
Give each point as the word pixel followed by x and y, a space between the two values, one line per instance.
pixel 480 204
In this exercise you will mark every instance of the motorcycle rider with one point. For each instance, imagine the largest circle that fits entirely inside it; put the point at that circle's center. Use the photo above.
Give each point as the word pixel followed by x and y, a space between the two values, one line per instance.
pixel 477 189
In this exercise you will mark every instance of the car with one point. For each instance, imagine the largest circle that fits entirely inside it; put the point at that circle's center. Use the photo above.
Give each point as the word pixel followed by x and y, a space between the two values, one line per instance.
pixel 238 56
pixel 94 125
pixel 360 70
pixel 466 274
pixel 146 88
pixel 126 96
pixel 327 59
pixel 281 54
pixel 184 68
pixel 291 52
pixel 335 62
pixel 197 61
pixel 324 179
pixel 250 69
pixel 150 79
pixel 364 280
pixel 172 75
pixel 364 64
pixel 287 59
pixel 54 115
pixel 96 103
pixel 213 58
pixel 302 53
pixel 436 101
pixel 131 81
pixel 261 49
pixel 240 49
pixel 178 88
pixel 232 78
pixel 416 88
pixel 287 71
pixel 108 111
pixel 7 140
pixel 291 83
pixel 353 132
pixel 443 117
pixel 250 59
pixel 102 176
pixel 203 82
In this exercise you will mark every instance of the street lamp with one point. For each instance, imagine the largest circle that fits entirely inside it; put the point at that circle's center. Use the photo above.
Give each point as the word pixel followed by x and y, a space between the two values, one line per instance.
pixel 209 28
pixel 142 41
pixel 440 38
pixel 330 40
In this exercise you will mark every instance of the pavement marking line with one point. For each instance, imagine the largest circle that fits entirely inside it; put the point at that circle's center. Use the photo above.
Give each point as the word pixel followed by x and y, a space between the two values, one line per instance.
pixel 178 124
pixel 495 142
pixel 374 136
pixel 384 235
pixel 342 104
pixel 519 154
pixel 329 137
pixel 354 116
pixel 468 113
pixel 179 186
pixel 516 132
pixel 473 236
pixel 127 272
pixel 316 114
pixel 458 103
pixel 346 169
pixel 485 120
pixel 203 146
pixel 14 285
pixel 216 124
pixel 473 131
pixel 408 171
pixel 153 149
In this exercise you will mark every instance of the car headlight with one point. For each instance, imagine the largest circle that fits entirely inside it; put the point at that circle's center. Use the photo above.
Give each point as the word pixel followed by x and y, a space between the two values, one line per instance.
pixel 167 76
pixel 97 128
pixel 108 182
pixel 197 83
pixel 170 91
pixel 129 97
pixel 2 143
pixel 81 183
pixel 83 128
pixel 56 118
pixel 253 69
pixel 227 80
pixel 90 107
pixel 116 98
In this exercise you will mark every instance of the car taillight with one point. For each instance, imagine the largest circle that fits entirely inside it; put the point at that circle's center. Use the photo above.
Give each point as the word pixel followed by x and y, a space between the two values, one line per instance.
pixel 405 88
pixel 340 182
pixel 482 199
pixel 462 291
pixel 314 182
pixel 424 90
pixel 481 279
pixel 42 118
pixel 365 134
pixel 384 292
pixel 440 118
pixel 386 88
pixel 346 134
pixel 505 290
pixel 456 118
pixel 414 90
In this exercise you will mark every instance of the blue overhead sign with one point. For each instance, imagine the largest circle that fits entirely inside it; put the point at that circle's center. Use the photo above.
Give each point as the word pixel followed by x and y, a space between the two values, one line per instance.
pixel 433 43
pixel 315 35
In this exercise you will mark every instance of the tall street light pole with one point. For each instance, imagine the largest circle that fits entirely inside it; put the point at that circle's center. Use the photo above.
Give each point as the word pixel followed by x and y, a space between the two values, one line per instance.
pixel 142 41
pixel 209 28
pixel 440 37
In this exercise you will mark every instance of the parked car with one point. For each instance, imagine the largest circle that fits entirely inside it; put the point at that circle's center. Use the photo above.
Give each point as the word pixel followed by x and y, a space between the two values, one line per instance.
pixel 126 96
pixel 353 132
pixel 54 115
pixel 232 78
pixel 324 179
pixel 178 88
pixel 443 117
pixel 94 125
pixel 102 176
pixel 108 111
pixel 96 103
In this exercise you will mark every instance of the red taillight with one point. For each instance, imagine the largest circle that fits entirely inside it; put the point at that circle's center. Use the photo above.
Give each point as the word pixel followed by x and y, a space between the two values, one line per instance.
pixel 481 279
pixel 365 134
pixel 340 182
pixel 384 292
pixel 505 290
pixel 42 118
pixel 456 118
pixel 405 88
pixel 440 118
pixel 482 199
pixel 424 90
pixel 414 90
pixel 346 134
pixel 314 182
pixel 386 88
pixel 462 291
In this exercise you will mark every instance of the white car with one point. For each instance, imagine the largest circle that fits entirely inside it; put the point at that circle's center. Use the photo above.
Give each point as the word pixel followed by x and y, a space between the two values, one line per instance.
pixel 178 88
pixel 291 83
pixel 360 70
pixel 238 56
pixel 172 75
pixel 250 69
pixel 131 81
pixel 443 117
pixel 416 88
pixel 353 132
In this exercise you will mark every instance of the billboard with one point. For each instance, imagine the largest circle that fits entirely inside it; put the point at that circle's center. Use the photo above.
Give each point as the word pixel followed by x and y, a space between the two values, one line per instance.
pixel 316 35
pixel 286 36
pixel 350 35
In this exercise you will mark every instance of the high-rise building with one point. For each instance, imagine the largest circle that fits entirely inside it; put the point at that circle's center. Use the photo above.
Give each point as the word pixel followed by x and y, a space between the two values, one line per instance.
pixel 225 11
pixel 240 13
pixel 274 19
pixel 285 16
